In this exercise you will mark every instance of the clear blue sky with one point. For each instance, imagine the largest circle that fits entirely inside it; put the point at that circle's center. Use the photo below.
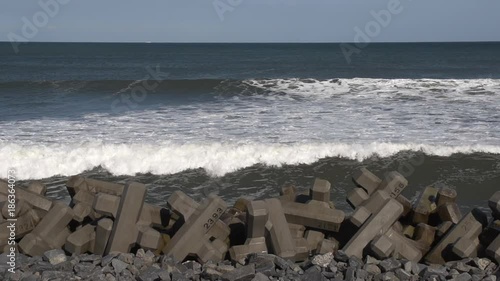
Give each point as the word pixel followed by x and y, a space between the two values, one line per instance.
pixel 253 20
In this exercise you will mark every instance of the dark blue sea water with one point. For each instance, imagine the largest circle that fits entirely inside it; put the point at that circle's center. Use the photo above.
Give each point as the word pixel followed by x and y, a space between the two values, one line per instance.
pixel 257 115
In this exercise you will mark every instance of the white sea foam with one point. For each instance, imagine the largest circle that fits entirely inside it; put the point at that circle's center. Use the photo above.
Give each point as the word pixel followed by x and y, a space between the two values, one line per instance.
pixel 370 87
pixel 290 121
pixel 41 161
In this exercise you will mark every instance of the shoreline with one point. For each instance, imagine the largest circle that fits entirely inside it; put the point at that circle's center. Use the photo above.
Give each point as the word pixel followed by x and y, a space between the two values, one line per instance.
pixel 303 234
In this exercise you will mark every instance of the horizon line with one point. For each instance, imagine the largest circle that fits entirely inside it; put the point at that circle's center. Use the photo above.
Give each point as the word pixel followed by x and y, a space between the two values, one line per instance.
pixel 243 42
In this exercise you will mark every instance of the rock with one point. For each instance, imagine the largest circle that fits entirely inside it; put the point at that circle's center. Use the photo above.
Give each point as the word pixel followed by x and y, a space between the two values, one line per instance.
pixel 264 266
pixel 429 271
pixel 196 267
pixel 106 260
pixel 463 277
pixel 329 274
pixel 322 260
pixel 281 262
pixel 164 275
pixel 340 255
pixel 370 259
pixel 490 278
pixel 243 273
pixel 411 267
pixel 402 274
pixel 224 268
pixel 361 274
pixel 260 277
pixel 389 264
pixel 90 258
pixel 55 256
pixel 482 263
pixel 355 262
pixel 372 269
pixel 313 273
pixel 119 265
pixel 150 274
pixel 57 275
pixel 389 276
pixel 84 269
pixel 350 274
pixel 477 277
pixel 126 258
pixel 211 274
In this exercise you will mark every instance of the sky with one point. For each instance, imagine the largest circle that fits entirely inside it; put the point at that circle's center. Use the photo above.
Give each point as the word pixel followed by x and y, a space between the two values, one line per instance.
pixel 250 20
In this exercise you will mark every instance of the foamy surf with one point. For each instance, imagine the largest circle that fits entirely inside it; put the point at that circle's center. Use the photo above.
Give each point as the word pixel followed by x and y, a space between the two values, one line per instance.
pixel 43 161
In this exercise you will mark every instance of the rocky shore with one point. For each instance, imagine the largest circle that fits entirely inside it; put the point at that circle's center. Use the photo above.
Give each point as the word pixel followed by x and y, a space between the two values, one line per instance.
pixel 146 266
pixel 108 232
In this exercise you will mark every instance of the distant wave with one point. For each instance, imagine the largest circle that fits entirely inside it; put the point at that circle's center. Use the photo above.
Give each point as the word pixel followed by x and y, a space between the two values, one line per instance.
pixel 42 161
pixel 307 87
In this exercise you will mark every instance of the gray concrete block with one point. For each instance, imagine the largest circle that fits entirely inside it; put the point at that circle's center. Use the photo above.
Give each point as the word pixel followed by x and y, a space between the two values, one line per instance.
pixel 257 217
pixel 407 205
pixel 220 230
pixel 297 230
pixel 81 241
pixel 446 195
pixel 50 233
pixel 214 251
pixel 27 222
pixel 378 223
pixel 77 183
pixel 241 205
pixel 301 249
pixel 313 216
pixel 443 228
pixel 103 231
pixel 494 204
pixel 149 238
pixel 376 201
pixel 278 233
pixel 239 252
pixel 37 187
pixel 314 239
pixel 360 216
pixel 84 196
pixel 493 250
pixel 409 231
pixel 425 206
pixel 449 212
pixel 469 226
pixel 403 247
pixel 81 211
pixel 124 234
pixel 21 208
pixel 186 240
pixel 106 204
pixel 466 247
pixel 356 197
pixel 393 183
pixel 288 193
pixel 367 180
pixel 35 200
pixel 329 245
pixel 182 204
pixel 320 190
pixel 424 235
pixel 382 247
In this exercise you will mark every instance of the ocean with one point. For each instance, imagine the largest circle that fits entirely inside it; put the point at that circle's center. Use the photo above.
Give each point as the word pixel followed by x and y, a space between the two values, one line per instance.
pixel 245 119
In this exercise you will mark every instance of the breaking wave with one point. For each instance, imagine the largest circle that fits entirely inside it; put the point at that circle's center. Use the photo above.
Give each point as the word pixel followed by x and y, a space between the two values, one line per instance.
pixel 43 161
